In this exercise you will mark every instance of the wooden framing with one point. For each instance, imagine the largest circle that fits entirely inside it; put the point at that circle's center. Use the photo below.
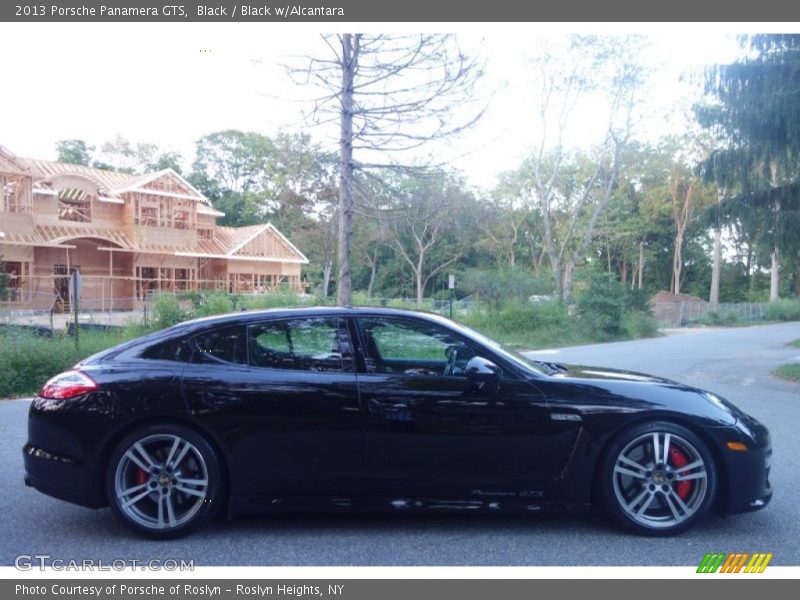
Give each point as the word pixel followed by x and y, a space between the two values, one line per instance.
pixel 128 235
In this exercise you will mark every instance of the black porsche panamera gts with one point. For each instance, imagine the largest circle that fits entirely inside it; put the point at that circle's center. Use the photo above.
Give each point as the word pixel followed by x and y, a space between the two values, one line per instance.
pixel 364 408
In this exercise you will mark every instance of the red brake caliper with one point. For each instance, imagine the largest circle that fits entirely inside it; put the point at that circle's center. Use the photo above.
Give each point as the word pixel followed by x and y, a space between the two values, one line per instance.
pixel 678 459
pixel 141 476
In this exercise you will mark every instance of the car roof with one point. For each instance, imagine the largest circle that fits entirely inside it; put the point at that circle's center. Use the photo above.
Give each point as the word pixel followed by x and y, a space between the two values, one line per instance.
pixel 244 316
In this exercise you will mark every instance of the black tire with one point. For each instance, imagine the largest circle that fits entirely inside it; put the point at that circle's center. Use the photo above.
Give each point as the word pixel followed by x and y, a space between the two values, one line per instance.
pixel 180 491
pixel 646 495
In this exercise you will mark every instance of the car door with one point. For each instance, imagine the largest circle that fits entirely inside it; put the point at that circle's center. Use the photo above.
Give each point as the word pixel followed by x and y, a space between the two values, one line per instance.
pixel 429 431
pixel 282 393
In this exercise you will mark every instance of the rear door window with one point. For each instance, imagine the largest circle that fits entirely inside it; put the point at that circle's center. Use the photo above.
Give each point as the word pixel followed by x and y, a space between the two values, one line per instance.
pixel 305 344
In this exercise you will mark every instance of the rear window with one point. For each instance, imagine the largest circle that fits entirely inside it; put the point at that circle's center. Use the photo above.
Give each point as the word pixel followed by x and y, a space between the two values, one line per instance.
pixel 177 350
pixel 228 344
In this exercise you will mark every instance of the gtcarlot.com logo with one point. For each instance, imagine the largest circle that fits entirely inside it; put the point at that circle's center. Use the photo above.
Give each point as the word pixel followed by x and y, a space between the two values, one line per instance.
pixel 735 562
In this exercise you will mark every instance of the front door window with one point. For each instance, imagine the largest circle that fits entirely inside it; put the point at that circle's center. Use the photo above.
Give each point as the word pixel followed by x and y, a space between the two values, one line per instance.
pixel 410 347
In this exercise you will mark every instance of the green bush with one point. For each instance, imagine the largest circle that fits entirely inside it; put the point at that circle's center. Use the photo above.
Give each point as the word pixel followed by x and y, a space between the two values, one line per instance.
pixel 713 317
pixel 783 310
pixel 216 304
pixel 277 299
pixel 600 305
pixel 500 287
pixel 526 324
pixel 167 311
pixel 361 299
pixel 637 324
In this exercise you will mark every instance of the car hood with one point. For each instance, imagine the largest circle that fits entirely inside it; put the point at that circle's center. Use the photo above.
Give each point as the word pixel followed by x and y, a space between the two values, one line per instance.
pixel 599 389
pixel 566 371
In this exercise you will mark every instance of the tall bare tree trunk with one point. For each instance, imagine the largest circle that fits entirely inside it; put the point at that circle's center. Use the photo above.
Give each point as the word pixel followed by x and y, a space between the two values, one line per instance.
pixel 349 62
pixel 641 264
pixel 713 296
pixel 677 265
pixel 797 274
pixel 420 284
pixel 373 271
pixel 682 194
pixel 326 278
pixel 774 272
pixel 773 276
pixel 566 287
pixel 558 277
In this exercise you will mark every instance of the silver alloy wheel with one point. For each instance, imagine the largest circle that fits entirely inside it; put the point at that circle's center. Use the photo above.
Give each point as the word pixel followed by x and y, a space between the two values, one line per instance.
pixel 660 480
pixel 161 481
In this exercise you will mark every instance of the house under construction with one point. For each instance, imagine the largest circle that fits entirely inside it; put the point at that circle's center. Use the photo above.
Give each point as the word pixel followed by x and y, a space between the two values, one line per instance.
pixel 128 236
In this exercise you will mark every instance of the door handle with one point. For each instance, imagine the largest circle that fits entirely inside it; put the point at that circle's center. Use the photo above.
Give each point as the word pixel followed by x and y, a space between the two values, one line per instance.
pixel 382 406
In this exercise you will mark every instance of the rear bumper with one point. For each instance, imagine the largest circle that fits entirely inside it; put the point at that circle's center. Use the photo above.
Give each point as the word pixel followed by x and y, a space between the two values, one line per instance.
pixel 61 477
pixel 60 456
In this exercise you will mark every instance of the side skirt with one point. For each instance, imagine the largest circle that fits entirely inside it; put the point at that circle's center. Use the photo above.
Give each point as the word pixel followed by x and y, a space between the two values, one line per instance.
pixel 253 505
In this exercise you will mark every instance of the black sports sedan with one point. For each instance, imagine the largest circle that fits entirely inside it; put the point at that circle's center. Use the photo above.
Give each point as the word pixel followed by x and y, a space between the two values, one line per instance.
pixel 365 408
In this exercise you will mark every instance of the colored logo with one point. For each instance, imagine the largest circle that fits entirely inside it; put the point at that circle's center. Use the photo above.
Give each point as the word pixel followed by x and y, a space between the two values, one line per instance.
pixel 735 562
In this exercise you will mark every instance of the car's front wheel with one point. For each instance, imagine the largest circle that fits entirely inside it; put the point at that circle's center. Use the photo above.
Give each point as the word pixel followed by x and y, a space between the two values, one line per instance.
pixel 164 481
pixel 657 478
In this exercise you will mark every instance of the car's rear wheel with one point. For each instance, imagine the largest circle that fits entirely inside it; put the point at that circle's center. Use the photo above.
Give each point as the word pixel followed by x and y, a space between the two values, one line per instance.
pixel 164 481
pixel 657 478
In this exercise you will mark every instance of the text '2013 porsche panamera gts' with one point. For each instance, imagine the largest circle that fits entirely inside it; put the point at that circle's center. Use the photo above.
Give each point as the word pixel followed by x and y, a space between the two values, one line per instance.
pixel 364 408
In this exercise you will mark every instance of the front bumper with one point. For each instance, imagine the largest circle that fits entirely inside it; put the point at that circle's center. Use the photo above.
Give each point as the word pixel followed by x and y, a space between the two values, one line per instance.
pixel 747 486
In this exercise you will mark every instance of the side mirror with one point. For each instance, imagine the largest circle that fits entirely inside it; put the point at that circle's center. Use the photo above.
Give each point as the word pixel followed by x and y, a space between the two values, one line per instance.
pixel 481 370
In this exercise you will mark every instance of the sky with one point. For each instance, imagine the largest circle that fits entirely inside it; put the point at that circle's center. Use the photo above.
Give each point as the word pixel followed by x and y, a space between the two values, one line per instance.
pixel 169 84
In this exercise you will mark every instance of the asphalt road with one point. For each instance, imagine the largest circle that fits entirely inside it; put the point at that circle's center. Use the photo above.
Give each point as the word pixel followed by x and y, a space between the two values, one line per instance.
pixel 735 363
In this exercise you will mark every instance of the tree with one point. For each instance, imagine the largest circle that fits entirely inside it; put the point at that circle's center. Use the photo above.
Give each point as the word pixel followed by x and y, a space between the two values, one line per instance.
pixel 390 95
pixel 754 110
pixel 319 240
pixel 167 160
pixel 229 169
pixel 588 67
pixel 682 193
pixel 252 177
pixel 298 180
pixel 74 152
pixel 136 158
pixel 369 239
pixel 502 219
pixel 424 225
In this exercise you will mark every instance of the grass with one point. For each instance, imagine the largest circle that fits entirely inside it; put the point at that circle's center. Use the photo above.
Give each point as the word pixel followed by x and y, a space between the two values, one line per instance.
pixel 790 372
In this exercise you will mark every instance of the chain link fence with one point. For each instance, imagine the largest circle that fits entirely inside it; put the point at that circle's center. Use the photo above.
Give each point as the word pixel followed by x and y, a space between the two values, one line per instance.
pixel 39 311
pixel 681 314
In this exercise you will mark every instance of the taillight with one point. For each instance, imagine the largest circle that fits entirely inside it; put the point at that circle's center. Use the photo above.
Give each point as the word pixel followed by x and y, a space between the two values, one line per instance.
pixel 68 384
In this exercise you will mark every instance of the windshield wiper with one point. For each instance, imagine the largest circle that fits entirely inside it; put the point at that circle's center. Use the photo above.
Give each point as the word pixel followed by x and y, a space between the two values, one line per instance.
pixel 552 367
